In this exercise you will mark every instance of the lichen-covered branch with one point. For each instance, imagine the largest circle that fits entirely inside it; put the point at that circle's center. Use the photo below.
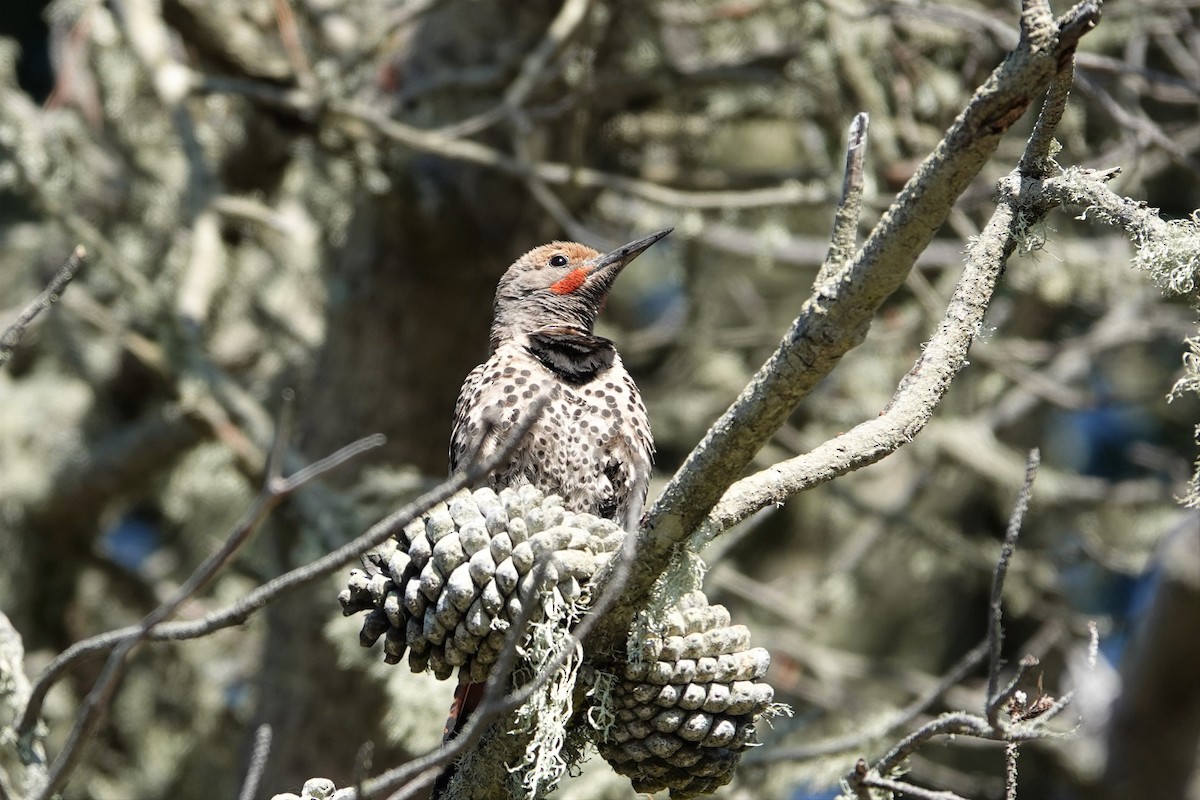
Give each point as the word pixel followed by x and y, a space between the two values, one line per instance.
pixel 836 317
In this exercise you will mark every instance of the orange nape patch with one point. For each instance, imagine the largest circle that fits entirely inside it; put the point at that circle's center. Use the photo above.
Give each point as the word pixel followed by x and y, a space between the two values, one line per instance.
pixel 575 278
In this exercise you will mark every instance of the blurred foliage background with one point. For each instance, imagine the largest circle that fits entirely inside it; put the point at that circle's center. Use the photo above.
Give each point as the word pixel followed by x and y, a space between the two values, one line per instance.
pixel 255 224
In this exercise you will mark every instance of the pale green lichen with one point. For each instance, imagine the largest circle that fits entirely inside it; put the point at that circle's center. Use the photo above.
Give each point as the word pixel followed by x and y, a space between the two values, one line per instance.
pixel 547 714
pixel 684 575
pixel 601 715
pixel 1171 254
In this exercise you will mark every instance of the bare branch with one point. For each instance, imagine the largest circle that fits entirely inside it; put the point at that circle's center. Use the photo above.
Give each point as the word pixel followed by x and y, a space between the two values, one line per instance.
pixel 995 622
pixel 1010 771
pixel 258 763
pixel 908 789
pixel 1038 158
pixel 289 34
pixel 65 274
pixel 998 699
pixel 849 210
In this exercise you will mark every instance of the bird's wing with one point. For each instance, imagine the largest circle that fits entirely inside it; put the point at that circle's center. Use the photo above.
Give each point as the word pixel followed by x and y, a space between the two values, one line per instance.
pixel 467 435
pixel 636 452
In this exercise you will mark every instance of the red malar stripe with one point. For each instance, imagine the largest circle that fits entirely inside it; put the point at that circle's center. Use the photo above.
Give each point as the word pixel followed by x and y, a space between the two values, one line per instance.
pixel 570 283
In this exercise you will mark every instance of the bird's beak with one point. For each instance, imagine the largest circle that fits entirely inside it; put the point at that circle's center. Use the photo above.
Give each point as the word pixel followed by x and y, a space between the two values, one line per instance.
pixel 605 268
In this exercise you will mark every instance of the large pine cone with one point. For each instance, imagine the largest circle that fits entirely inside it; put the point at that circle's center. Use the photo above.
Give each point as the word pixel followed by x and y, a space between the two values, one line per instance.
pixel 448 587
pixel 686 708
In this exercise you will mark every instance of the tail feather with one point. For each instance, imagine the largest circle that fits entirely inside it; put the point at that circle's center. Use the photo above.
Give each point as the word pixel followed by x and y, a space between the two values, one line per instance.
pixel 467 697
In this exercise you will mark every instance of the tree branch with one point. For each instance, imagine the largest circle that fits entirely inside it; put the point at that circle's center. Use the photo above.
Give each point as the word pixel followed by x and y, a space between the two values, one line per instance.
pixel 65 274
pixel 995 618
pixel 258 763
pixel 836 317
pixel 849 210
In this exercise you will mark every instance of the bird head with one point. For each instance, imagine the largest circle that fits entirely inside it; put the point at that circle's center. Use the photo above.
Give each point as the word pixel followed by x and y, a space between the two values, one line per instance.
pixel 561 284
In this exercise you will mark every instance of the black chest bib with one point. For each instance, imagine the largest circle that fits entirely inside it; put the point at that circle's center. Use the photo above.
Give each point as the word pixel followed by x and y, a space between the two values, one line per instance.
pixel 574 357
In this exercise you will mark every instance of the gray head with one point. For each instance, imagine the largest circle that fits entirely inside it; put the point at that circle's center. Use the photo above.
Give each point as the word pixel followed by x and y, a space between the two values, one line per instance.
pixel 559 284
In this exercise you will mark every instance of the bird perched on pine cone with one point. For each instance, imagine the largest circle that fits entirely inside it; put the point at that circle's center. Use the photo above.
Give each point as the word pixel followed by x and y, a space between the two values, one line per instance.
pixel 592 444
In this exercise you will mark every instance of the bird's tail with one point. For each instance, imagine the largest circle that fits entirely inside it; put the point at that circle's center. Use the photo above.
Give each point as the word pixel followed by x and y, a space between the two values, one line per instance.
pixel 467 697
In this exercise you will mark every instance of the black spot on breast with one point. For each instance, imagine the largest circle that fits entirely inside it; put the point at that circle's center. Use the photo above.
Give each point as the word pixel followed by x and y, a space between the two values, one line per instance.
pixel 576 358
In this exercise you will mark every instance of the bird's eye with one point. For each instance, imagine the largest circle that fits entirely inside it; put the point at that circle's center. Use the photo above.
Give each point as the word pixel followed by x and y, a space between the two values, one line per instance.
pixel 559 260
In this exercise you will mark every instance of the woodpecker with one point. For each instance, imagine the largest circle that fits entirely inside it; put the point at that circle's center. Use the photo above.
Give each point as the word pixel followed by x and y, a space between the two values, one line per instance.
pixel 592 444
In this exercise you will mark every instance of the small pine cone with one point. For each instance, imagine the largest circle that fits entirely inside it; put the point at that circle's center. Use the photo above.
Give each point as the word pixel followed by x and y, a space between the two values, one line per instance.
pixel 687 709
pixel 447 588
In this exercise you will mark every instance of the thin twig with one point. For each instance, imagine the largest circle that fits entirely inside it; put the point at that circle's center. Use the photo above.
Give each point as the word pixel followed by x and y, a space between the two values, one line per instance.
pixel 258 763
pixel 789 192
pixel 997 701
pixel 908 789
pixel 954 723
pixel 289 34
pixel 995 621
pixel 333 460
pixel 844 239
pixel 65 274
pixel 1010 771
pixel 1038 159
pixel 532 72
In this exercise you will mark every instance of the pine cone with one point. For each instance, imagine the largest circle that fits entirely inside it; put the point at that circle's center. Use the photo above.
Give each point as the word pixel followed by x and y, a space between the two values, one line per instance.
pixel 686 708
pixel 448 587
